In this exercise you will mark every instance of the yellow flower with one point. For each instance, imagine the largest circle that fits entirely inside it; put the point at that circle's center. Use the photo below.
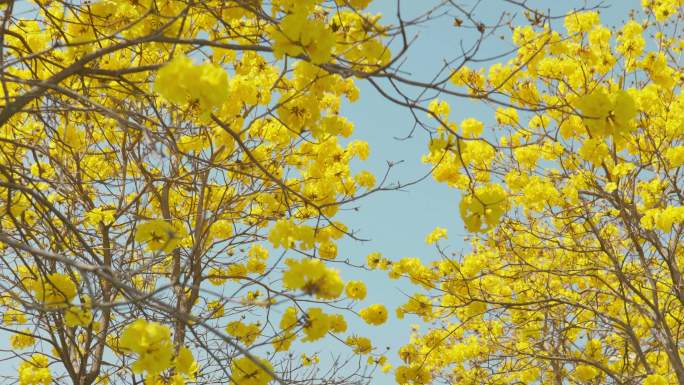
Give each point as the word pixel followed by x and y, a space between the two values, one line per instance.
pixel 675 156
pixel 465 76
pixel 187 144
pixel 151 341
pixel 72 137
pixel 185 363
pixel 222 230
pixel 365 179
pixel 256 263
pixel 245 333
pixel 337 323
pixel 436 234
pixel 42 170
pixel 181 81
pixel 308 361
pixel 417 375
pixel 159 235
pixel 606 114
pixel 244 371
pixel 286 233
pixel 297 34
pixel 289 319
pixel 374 314
pixel 631 41
pixel 586 372
pixel 216 276
pixel 482 210
pixel 215 308
pixel 55 289
pixel 317 324
pixel 440 108
pixel 312 277
pixel 655 379
pixel 377 261
pixel 663 9
pixel 358 148
pixel 287 323
pixel 327 250
pixel 99 215
pixel 22 340
pixel 35 371
pixel 472 128
pixel 356 290
pixel 507 116
pixel 13 316
pixel 594 150
pixel 576 22
pixel 78 316
pixel 358 4
pixel 360 345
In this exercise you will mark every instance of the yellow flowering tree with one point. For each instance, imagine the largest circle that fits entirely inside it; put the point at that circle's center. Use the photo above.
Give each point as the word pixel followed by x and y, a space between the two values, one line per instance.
pixel 572 194
pixel 170 175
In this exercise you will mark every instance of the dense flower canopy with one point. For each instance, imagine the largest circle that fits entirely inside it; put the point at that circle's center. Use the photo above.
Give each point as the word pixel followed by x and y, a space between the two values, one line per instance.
pixel 154 155
pixel 574 275
pixel 172 174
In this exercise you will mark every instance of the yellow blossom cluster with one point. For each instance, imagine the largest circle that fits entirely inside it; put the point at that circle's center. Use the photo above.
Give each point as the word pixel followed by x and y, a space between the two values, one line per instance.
pixel 313 277
pixel 180 81
pixel 245 371
pixel 374 314
pixel 151 342
pixel 245 333
pixel 22 340
pixel 35 371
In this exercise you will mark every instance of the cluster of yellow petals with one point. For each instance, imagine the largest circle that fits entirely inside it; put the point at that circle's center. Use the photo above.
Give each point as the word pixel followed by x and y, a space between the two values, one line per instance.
pixel 245 371
pixel 154 350
pixel 313 277
pixel 159 235
pixel 374 314
pixel 181 81
pixel 35 371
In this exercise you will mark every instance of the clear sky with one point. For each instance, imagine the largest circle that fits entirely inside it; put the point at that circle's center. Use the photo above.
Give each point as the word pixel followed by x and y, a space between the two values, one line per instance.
pixel 397 222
